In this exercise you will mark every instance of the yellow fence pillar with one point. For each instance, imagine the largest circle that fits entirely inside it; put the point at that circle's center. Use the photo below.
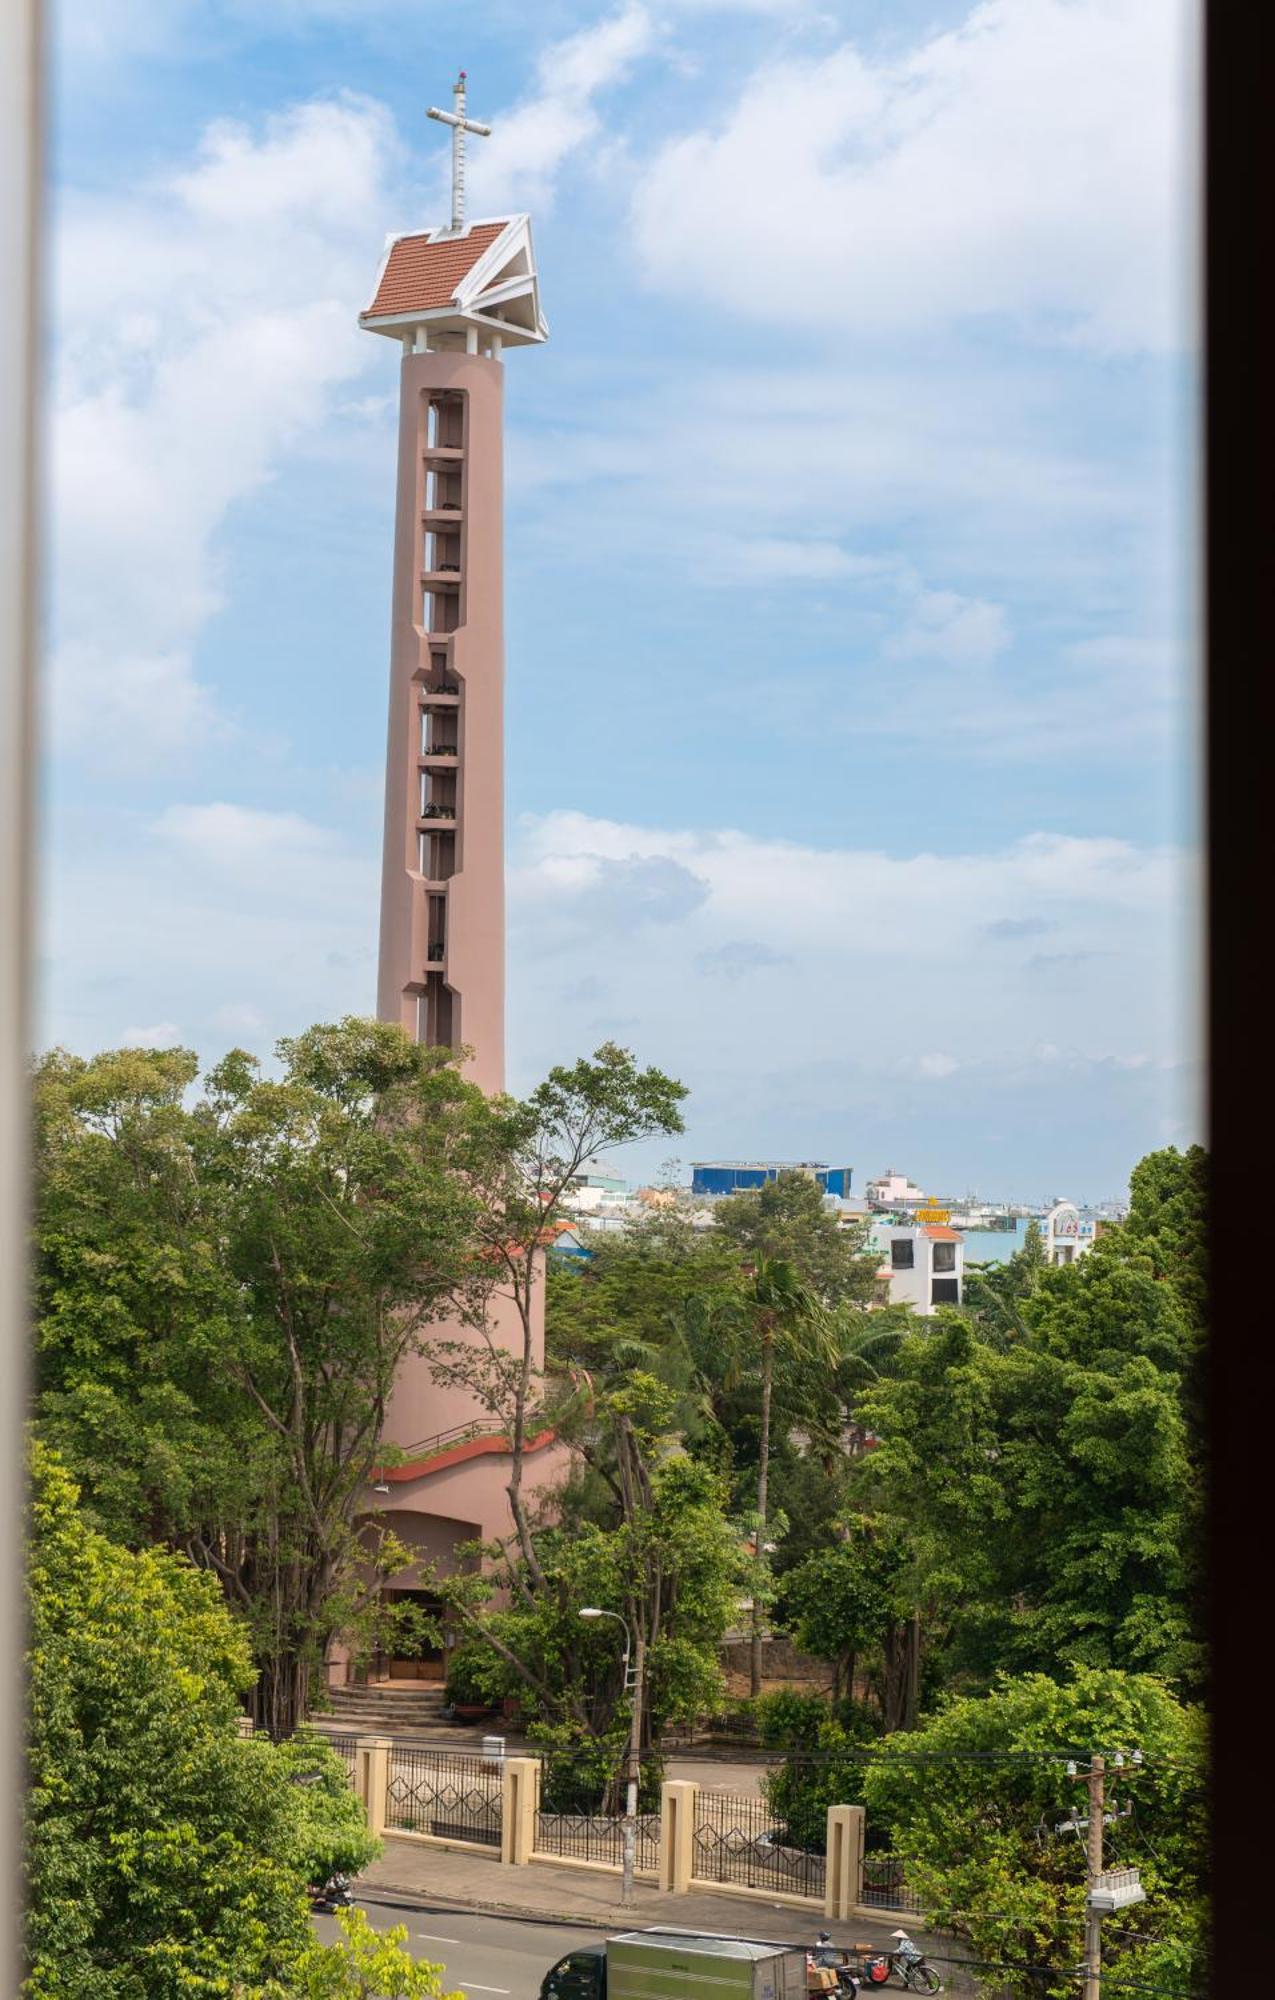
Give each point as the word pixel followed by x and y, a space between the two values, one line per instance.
pixel 519 1804
pixel 843 1883
pixel 245 1725
pixel 372 1778
pixel 677 1832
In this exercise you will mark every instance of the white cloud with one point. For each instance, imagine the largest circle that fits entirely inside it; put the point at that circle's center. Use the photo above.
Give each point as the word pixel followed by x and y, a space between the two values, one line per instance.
pixel 942 624
pixel 778 9
pixel 205 330
pixel 796 990
pixel 777 559
pixel 518 166
pixel 798 994
pixel 242 924
pixel 246 842
pixel 937 1065
pixel 1031 163
pixel 239 1018
pixel 160 1035
pixel 957 463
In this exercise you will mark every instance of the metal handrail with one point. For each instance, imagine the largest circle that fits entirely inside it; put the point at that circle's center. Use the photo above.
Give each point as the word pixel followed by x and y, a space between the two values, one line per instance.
pixel 457 1434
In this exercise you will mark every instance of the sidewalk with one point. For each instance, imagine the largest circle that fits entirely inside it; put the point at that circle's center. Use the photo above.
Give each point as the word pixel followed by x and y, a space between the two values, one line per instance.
pixel 589 1897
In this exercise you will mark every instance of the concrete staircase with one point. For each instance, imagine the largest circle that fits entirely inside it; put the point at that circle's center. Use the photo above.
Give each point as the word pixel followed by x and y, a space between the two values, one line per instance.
pixel 391 1711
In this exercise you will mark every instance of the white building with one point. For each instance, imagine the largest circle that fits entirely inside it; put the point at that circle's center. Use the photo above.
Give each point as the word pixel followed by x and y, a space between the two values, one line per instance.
pixel 891 1190
pixel 1069 1233
pixel 923 1264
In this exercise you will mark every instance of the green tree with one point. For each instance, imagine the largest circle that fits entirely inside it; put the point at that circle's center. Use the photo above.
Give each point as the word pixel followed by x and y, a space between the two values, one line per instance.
pixel 1044 1486
pixel 1167 1224
pixel 840 1602
pixel 786 1220
pixel 783 1323
pixel 665 1558
pixel 973 1800
pixel 164 1856
pixel 226 1291
pixel 629 1304
pixel 519 1160
pixel 996 1292
pixel 365 1965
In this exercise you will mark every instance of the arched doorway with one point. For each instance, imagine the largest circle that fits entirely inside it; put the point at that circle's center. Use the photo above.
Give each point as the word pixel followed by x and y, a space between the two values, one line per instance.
pixel 421 1656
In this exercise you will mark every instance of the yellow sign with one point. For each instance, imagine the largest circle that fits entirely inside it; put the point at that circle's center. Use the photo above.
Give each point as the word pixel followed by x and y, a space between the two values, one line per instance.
pixel 934 1215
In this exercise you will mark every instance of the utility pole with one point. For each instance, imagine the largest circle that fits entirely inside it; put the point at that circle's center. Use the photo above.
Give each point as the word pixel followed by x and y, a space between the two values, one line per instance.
pixel 634 1676
pixel 634 1771
pixel 1105 1889
pixel 1093 1858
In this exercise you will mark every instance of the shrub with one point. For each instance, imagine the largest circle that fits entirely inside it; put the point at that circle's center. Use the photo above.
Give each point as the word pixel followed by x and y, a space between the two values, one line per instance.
pixel 475 1674
pixel 788 1720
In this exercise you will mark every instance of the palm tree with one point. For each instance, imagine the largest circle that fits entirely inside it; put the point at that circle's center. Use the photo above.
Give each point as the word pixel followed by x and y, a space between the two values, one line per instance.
pixel 784 1317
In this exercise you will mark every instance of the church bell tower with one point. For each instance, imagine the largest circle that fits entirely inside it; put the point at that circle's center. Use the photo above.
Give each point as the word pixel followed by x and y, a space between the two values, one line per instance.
pixel 457 299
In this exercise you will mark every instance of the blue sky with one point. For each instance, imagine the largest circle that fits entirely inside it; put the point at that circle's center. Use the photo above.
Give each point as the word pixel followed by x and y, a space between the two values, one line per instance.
pixel 850 558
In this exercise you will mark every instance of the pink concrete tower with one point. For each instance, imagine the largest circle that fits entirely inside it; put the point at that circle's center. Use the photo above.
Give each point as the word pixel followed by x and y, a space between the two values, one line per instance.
pixel 456 298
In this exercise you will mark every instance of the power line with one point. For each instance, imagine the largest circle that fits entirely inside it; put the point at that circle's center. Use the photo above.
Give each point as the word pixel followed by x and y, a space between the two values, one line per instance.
pixel 1110 1979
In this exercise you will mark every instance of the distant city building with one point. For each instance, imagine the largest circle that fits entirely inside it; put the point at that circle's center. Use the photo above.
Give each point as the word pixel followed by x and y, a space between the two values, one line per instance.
pixel 923 1265
pixel 661 1197
pixel 715 1177
pixel 1069 1232
pixel 591 1192
pixel 892 1190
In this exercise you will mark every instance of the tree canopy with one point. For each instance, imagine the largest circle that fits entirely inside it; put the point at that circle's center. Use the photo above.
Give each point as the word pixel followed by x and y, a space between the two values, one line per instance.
pixel 227 1285
pixel 787 1219
pixel 980 1842
pixel 164 1855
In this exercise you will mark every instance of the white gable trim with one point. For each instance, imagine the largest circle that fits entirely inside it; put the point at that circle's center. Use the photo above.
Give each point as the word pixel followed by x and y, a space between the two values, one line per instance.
pixel 390 241
pixel 495 254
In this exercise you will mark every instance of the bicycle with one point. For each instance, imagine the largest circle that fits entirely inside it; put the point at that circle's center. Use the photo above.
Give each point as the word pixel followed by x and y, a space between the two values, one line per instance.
pixel 909 1965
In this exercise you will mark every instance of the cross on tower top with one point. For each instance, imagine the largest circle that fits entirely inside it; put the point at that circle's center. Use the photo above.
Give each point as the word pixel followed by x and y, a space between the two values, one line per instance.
pixel 460 125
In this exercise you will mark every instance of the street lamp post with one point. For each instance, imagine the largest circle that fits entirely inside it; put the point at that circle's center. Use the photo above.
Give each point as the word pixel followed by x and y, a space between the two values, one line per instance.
pixel 633 1688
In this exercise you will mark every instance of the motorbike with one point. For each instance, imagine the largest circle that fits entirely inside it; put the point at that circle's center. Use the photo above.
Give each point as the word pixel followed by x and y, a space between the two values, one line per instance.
pixel 907 1962
pixel 827 1959
pixel 336 1894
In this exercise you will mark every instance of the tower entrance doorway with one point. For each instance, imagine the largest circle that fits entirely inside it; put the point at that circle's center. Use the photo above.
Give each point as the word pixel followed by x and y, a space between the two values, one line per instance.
pixel 419 1657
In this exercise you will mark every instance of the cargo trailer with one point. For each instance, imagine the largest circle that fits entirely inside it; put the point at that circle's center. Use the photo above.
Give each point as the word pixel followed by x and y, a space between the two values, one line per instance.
pixel 678 1965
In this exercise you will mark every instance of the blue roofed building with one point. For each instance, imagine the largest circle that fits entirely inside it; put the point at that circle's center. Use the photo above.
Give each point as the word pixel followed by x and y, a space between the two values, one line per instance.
pixel 718 1177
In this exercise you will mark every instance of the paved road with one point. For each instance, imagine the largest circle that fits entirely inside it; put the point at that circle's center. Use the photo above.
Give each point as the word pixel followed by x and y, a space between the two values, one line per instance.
pixel 485 1955
pixel 491 1957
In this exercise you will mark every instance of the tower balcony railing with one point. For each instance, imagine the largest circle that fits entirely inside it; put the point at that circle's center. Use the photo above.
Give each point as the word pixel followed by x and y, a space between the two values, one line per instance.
pixel 436 952
pixel 405 1458
pixel 445 751
pixel 435 812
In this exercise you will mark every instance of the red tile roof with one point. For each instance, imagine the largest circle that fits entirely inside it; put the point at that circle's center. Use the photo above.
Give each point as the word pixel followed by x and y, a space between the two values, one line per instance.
pixel 420 275
pixel 941 1235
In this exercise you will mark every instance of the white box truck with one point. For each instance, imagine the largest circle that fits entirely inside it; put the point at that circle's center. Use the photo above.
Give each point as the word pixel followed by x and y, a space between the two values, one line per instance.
pixel 678 1965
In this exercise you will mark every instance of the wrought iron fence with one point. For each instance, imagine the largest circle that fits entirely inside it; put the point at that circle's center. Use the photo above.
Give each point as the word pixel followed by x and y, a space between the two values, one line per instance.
pixel 884 1886
pixel 345 1748
pixel 598 1837
pixel 738 1839
pixel 453 1796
